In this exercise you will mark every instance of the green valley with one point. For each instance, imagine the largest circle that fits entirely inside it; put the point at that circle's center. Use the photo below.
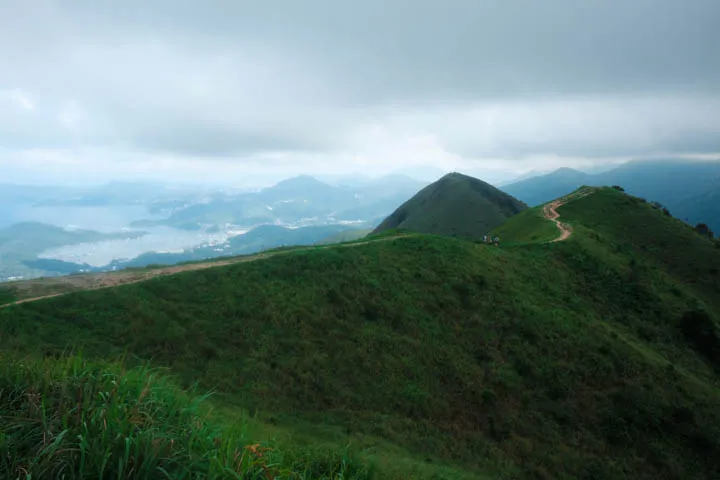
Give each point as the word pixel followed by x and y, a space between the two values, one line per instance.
pixel 396 356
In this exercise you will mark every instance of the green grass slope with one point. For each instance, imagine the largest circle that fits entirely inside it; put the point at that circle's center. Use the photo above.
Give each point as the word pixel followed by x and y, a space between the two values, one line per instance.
pixel 588 358
pixel 7 295
pixel 456 205
pixel 631 224
pixel 528 226
pixel 75 419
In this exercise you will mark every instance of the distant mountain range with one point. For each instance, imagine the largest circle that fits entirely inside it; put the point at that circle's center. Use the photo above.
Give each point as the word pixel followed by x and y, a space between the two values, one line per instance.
pixel 298 211
pixel 304 210
pixel 301 200
pixel 525 176
pixel 690 190
pixel 456 205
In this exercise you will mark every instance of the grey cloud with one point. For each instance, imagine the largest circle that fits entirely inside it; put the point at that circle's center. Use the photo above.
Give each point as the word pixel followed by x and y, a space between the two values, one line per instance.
pixel 593 127
pixel 384 50
pixel 227 78
pixel 210 140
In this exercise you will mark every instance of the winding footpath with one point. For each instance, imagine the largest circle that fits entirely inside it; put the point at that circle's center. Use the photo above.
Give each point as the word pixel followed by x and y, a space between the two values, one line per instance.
pixel 550 212
pixel 58 286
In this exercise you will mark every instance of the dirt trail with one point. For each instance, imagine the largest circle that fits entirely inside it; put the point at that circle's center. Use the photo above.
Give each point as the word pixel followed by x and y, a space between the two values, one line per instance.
pixel 58 286
pixel 39 289
pixel 550 212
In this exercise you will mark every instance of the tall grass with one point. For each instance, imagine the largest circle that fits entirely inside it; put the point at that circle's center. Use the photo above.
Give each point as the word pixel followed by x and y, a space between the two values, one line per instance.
pixel 75 419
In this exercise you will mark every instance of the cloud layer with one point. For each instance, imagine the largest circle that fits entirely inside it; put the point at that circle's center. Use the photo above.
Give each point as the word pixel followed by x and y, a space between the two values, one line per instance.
pixel 110 88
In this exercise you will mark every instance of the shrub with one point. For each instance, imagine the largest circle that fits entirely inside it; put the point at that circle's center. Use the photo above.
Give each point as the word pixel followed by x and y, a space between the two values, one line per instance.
pixel 704 230
pixel 489 398
pixel 6 296
pixel 618 187
pixel 700 330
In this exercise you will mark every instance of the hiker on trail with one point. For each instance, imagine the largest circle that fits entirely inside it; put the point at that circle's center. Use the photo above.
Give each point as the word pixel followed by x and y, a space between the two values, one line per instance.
pixel 484 238
pixel 496 240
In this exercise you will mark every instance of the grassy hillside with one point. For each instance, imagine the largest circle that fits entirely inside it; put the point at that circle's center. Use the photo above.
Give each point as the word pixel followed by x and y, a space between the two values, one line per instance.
pixel 456 205
pixel 688 188
pixel 72 418
pixel 588 358
pixel 7 295
pixel 529 226
pixel 631 224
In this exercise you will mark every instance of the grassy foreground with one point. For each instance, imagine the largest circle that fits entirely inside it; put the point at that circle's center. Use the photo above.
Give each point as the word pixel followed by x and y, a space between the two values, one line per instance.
pixel 80 420
pixel 596 357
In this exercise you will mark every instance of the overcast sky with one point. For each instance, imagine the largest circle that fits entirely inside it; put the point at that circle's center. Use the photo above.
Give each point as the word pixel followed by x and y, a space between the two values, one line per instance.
pixel 213 90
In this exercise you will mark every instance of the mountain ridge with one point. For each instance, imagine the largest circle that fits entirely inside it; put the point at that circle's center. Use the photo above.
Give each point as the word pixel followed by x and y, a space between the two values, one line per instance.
pixel 455 205
pixel 686 188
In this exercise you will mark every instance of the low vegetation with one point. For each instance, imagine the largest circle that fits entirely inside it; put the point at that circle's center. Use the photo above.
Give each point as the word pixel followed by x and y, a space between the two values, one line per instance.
pixel 589 358
pixel 704 230
pixel 70 418
pixel 633 227
pixel 529 226
pixel 7 295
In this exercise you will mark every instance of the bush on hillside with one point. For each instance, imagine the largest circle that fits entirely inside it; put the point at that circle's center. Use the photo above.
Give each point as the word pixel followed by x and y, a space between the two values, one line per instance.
pixel 661 207
pixel 619 188
pixel 71 419
pixel 700 330
pixel 6 296
pixel 704 230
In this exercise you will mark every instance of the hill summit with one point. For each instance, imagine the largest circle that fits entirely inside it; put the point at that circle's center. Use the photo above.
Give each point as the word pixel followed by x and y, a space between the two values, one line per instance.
pixel 457 205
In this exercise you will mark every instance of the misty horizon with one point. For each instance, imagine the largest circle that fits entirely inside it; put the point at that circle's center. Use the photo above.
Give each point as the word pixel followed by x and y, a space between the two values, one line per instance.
pixel 163 131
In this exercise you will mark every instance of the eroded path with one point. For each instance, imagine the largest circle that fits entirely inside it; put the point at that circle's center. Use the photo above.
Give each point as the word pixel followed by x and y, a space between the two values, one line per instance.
pixel 550 212
pixel 42 288
pixel 39 289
